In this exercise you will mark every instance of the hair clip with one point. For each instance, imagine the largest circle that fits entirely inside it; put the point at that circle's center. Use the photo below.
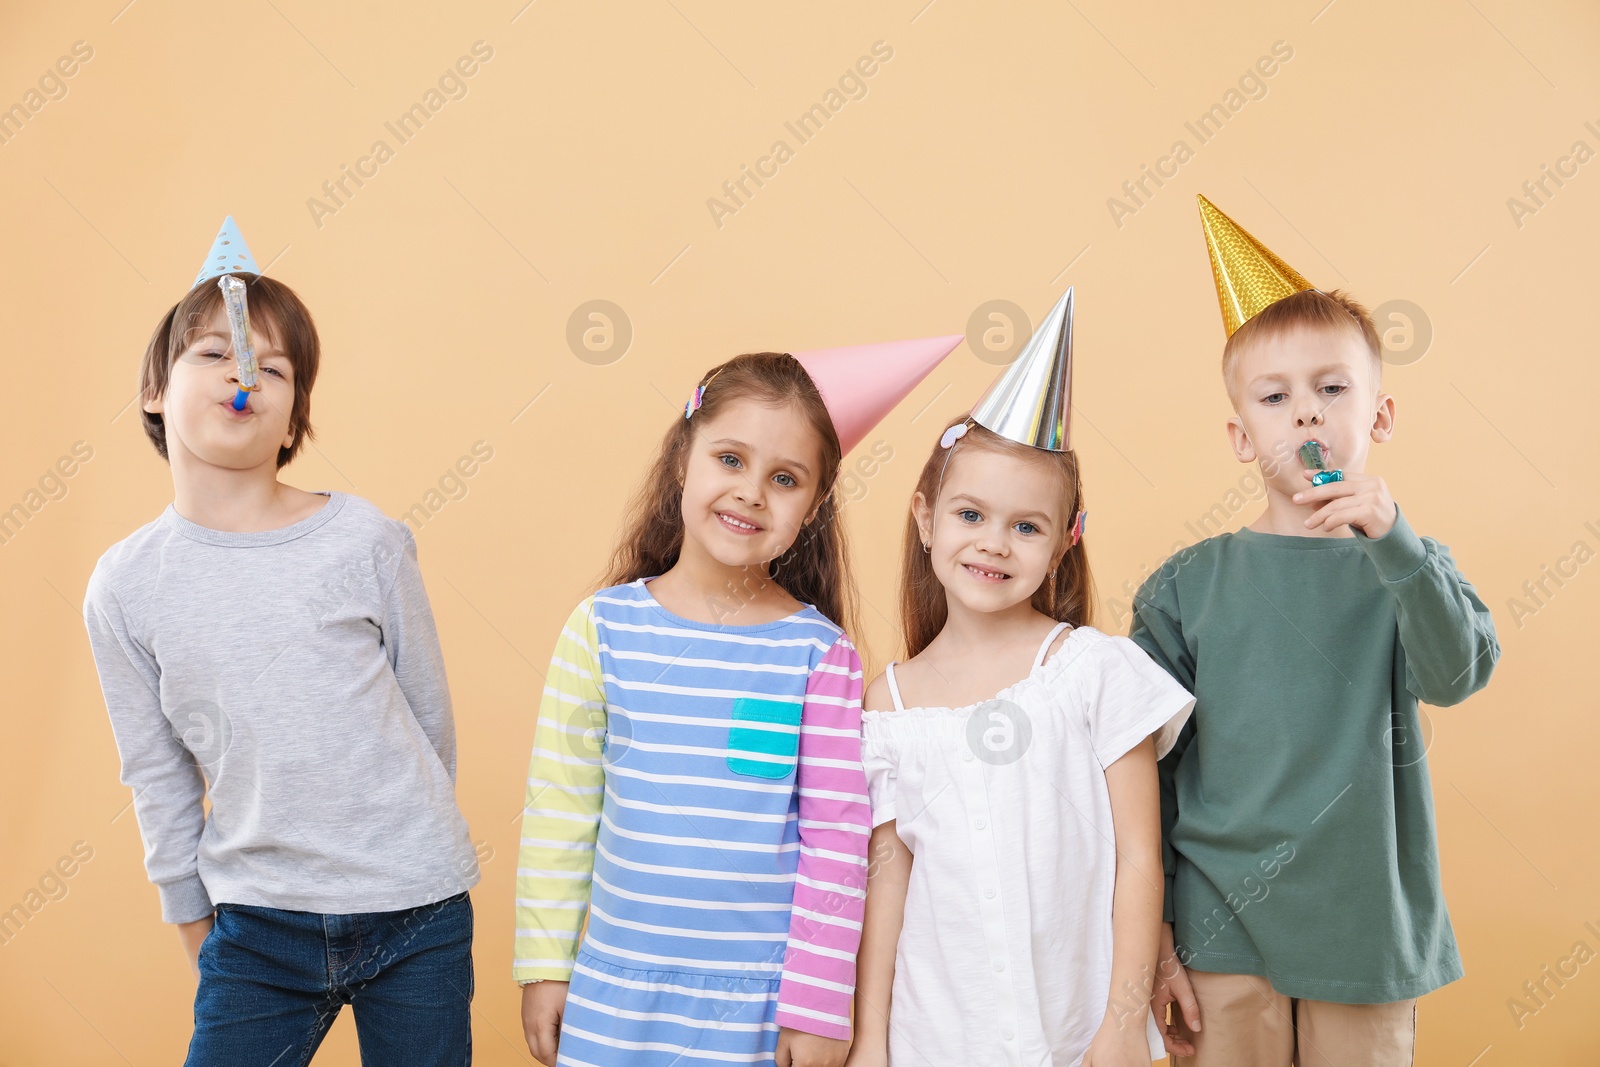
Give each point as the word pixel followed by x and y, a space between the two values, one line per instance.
pixel 1078 526
pixel 698 397
pixel 953 434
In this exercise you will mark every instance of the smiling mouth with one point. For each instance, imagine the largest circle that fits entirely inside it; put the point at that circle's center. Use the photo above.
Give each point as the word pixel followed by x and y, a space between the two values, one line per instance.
pixel 986 574
pixel 737 525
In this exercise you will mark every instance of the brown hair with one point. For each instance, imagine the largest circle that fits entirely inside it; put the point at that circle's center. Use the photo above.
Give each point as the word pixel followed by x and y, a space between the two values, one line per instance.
pixel 816 568
pixel 272 305
pixel 1066 596
pixel 1313 310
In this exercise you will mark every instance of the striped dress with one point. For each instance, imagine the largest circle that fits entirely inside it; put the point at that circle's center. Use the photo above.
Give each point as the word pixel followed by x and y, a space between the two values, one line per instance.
pixel 697 793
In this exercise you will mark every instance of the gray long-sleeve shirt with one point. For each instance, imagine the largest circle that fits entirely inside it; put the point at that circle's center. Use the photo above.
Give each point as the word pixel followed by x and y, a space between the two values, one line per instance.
pixel 294 677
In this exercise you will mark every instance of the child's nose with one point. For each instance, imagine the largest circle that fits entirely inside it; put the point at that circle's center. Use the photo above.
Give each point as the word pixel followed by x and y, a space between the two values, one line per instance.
pixel 1309 415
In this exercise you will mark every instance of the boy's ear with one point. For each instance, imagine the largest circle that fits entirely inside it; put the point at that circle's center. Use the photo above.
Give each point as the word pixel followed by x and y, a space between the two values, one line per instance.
pixel 153 405
pixel 922 511
pixel 1383 419
pixel 1243 448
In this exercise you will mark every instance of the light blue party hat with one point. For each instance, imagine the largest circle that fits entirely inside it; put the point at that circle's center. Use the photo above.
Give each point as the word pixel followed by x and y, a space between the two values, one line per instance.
pixel 229 255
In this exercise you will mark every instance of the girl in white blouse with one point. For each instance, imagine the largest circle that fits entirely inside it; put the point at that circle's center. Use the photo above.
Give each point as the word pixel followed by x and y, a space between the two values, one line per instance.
pixel 1015 886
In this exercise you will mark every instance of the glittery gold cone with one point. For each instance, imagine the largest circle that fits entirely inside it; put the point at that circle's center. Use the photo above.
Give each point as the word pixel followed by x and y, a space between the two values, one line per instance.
pixel 1248 275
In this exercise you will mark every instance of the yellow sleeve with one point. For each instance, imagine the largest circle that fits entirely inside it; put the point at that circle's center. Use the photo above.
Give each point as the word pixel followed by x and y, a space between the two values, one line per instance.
pixel 561 816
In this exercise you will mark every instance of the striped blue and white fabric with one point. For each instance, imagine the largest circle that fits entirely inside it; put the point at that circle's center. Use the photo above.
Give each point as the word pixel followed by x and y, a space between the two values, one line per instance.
pixel 716 838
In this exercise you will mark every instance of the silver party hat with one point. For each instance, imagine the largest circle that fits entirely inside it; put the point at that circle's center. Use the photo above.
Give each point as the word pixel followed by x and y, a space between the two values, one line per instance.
pixel 1031 402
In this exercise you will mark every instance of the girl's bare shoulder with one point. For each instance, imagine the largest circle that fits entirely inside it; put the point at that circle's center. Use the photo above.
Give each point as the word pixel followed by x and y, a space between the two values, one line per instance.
pixel 876 697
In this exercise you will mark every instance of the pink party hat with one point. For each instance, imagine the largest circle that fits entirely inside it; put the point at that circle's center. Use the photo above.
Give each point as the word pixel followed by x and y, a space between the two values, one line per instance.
pixel 860 384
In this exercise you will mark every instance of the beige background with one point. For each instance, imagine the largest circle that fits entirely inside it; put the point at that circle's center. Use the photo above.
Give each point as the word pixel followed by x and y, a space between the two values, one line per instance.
pixel 977 167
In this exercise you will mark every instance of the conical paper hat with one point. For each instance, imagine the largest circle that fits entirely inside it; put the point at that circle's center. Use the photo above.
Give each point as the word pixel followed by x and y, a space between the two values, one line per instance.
pixel 1248 275
pixel 860 384
pixel 229 255
pixel 1031 402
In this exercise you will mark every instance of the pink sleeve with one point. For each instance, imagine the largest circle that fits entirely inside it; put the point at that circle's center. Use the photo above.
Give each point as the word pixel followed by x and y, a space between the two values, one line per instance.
pixel 819 968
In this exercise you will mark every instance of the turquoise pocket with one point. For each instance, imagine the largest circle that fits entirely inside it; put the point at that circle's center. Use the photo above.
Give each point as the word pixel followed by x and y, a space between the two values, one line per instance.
pixel 764 740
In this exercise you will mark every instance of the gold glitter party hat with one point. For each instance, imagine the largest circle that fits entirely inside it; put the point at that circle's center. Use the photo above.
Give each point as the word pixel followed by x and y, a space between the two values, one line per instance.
pixel 1248 275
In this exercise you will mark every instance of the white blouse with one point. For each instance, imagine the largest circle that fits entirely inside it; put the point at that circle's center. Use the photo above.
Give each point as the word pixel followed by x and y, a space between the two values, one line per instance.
pixel 1005 955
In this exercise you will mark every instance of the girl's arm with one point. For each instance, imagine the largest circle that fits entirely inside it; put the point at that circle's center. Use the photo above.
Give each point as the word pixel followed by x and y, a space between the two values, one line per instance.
pixel 561 815
pixel 1135 909
pixel 819 969
pixel 888 875
pixel 560 822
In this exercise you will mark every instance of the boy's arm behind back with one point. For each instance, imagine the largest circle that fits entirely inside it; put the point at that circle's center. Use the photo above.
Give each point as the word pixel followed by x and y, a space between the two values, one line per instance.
pixel 412 641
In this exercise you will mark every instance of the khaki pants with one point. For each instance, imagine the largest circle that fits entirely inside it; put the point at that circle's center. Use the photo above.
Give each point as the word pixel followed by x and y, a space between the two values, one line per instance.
pixel 1244 1022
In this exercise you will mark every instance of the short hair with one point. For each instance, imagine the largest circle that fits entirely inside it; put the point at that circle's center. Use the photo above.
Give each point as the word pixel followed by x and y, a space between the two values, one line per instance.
pixel 275 307
pixel 1312 309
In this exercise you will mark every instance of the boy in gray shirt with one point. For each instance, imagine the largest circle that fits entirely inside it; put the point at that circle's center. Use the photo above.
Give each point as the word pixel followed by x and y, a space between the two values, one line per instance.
pixel 273 650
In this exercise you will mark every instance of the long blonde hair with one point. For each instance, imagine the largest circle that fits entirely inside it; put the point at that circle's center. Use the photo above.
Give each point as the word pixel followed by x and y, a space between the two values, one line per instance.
pixel 1066 595
pixel 816 568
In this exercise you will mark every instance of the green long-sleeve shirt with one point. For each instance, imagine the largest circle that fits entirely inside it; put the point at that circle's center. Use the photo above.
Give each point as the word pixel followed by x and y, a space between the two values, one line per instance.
pixel 1297 816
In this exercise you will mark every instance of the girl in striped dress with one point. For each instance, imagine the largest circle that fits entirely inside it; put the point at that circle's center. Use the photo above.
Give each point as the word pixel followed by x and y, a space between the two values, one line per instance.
pixel 696 790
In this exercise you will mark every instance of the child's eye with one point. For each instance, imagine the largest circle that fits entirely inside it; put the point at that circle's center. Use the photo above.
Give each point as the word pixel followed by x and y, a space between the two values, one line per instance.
pixel 1273 398
pixel 1334 390
pixel 968 515
pixel 274 371
pixel 785 480
pixel 1027 528
pixel 728 459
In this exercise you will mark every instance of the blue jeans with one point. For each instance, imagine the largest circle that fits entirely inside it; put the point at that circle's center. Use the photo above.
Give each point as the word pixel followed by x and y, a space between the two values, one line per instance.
pixel 272 982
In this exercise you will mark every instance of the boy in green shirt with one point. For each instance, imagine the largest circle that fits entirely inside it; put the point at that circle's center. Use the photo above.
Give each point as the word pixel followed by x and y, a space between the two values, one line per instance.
pixel 1303 902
